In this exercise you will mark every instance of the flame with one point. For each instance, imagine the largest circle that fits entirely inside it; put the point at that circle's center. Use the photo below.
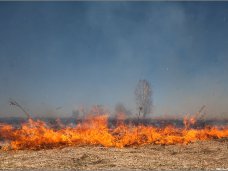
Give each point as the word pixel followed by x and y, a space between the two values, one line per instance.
pixel 94 130
pixel 189 121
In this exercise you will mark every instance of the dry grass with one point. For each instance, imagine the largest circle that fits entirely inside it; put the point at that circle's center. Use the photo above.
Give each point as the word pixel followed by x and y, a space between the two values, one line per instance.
pixel 207 155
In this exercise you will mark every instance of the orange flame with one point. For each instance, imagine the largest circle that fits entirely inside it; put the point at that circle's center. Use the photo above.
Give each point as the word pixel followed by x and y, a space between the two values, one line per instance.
pixel 95 131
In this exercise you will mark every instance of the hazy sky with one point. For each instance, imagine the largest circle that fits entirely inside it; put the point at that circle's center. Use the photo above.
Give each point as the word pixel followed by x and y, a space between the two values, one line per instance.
pixel 82 53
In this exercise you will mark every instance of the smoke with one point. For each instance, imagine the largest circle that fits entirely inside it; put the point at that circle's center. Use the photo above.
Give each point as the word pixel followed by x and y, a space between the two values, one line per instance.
pixel 120 109
pixel 94 53
pixel 167 44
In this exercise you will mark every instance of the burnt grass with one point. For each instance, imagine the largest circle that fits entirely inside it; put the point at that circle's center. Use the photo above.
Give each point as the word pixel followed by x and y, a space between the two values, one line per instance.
pixel 112 122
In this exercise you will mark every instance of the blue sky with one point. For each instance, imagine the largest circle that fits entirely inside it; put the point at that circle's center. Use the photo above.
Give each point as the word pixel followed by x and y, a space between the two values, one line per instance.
pixel 83 53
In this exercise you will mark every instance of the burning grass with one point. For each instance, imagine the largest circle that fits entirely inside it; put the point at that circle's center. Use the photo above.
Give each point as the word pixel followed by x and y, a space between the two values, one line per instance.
pixel 94 144
pixel 95 131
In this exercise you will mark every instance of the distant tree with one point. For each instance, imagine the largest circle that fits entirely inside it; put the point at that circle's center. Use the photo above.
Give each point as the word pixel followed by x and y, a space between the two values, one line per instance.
pixel 143 94
pixel 98 110
pixel 75 114
pixel 120 108
pixel 80 112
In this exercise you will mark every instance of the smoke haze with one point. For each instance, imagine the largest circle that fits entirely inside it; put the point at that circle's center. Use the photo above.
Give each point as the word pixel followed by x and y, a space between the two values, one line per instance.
pixel 84 53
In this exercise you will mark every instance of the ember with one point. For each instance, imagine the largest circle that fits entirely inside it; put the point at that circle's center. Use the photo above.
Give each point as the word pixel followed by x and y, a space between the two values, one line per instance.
pixel 95 131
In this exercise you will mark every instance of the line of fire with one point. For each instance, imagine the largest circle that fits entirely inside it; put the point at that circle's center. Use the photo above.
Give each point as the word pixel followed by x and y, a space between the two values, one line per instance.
pixel 96 128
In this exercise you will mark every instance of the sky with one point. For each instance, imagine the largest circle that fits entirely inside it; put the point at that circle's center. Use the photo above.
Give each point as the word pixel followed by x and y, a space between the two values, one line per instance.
pixel 72 54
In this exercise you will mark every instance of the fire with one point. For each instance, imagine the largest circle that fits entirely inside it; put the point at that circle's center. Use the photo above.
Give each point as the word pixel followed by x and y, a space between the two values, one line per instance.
pixel 95 131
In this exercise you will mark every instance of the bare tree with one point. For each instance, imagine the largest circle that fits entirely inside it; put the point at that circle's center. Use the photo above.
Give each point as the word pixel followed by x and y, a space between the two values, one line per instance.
pixel 75 114
pixel 15 103
pixel 143 94
pixel 120 108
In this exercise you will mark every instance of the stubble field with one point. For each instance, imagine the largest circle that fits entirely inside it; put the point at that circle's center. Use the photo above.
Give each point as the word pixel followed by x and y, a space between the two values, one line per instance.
pixel 201 155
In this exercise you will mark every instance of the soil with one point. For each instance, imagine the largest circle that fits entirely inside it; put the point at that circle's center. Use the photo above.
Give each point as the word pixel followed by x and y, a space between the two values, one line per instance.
pixel 203 155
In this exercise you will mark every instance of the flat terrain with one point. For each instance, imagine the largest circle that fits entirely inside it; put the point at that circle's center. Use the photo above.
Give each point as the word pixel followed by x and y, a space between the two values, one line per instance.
pixel 205 155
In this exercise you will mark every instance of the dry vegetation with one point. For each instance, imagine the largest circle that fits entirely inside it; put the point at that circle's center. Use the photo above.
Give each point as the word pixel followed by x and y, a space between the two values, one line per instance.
pixel 204 155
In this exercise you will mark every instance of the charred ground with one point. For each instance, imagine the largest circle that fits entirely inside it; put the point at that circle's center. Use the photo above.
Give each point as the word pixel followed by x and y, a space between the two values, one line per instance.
pixel 113 121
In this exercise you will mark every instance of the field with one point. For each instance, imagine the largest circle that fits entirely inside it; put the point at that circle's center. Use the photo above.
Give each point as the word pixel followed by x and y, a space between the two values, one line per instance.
pixel 208 154
pixel 202 155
